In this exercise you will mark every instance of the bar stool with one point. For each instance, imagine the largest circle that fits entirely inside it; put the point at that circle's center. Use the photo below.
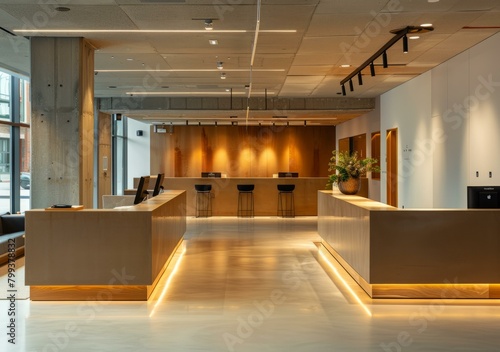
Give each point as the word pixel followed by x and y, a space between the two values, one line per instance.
pixel 203 200
pixel 286 205
pixel 245 200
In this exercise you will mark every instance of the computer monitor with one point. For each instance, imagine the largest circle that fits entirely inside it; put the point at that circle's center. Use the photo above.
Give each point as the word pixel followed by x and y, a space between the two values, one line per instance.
pixel 288 174
pixel 211 174
pixel 483 197
pixel 158 184
pixel 142 190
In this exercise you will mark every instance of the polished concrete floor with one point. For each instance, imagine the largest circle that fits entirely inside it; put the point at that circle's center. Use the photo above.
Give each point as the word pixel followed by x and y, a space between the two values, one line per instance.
pixel 252 285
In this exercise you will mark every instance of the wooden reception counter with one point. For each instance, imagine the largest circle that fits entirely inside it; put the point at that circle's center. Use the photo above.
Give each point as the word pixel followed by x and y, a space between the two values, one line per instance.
pixel 403 253
pixel 103 254
pixel 225 193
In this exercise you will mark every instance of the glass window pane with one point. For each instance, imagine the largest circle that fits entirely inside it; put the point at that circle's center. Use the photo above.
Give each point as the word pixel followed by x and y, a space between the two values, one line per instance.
pixel 5 193
pixel 4 96
pixel 24 166
pixel 25 103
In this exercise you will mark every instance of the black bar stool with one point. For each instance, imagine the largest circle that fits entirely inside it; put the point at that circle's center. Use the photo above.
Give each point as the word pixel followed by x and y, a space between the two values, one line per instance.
pixel 203 200
pixel 286 205
pixel 245 200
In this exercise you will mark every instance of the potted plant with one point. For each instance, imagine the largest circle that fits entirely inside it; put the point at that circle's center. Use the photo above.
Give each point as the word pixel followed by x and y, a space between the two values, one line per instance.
pixel 348 170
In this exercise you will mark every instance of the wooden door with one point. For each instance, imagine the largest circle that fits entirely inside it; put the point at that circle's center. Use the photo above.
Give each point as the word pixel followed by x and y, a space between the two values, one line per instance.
pixel 392 167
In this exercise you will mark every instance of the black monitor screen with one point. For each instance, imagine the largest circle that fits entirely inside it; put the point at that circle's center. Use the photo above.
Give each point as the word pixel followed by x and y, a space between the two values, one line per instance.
pixel 288 174
pixel 483 197
pixel 211 174
pixel 158 184
pixel 142 190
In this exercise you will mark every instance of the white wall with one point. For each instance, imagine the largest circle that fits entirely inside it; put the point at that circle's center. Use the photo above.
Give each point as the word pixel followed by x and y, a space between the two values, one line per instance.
pixel 408 108
pixel 448 122
pixel 138 159
pixel 365 124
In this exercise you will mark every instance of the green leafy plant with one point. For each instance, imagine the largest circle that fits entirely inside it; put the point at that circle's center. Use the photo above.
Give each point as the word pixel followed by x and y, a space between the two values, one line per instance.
pixel 347 165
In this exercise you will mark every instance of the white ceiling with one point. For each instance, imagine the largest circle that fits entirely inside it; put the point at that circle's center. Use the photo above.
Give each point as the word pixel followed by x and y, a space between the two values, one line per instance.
pixel 302 64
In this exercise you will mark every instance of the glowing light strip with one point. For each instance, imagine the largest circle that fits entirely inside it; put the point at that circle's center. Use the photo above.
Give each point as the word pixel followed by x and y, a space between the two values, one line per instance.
pixel 167 284
pixel 188 93
pixel 194 70
pixel 351 291
pixel 83 30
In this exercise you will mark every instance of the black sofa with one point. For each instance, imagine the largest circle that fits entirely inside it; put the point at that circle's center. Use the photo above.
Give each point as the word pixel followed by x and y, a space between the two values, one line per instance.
pixel 11 228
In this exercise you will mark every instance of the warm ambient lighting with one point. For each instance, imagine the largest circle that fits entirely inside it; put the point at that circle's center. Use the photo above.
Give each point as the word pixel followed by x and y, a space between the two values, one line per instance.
pixel 346 285
pixel 167 284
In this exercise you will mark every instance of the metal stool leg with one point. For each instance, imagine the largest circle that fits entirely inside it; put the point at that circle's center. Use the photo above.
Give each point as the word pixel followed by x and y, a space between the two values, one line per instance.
pixel 286 207
pixel 245 204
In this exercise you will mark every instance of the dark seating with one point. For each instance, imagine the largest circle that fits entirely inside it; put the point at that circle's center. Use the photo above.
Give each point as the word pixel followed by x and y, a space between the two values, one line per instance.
pixel 245 200
pixel 286 203
pixel 11 235
pixel 203 200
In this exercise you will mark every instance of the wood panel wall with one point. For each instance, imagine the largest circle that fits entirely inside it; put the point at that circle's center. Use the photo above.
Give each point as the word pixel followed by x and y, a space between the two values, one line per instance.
pixel 238 151
pixel 104 138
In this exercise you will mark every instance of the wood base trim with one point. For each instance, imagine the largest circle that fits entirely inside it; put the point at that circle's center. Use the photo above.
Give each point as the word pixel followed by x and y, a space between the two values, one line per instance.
pixel 440 291
pixel 99 292
pixel 4 258
pixel 88 293
pixel 415 291
pixel 328 250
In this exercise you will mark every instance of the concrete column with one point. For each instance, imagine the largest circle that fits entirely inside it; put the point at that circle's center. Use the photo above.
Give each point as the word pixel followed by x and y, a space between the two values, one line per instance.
pixel 62 125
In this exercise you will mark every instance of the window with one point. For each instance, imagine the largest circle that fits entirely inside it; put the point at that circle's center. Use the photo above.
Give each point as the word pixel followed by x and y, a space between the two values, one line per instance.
pixel 15 158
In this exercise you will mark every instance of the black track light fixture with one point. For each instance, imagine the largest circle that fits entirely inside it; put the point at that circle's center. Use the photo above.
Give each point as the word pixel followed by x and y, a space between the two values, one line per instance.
pixel 351 86
pixel 372 69
pixel 360 79
pixel 398 34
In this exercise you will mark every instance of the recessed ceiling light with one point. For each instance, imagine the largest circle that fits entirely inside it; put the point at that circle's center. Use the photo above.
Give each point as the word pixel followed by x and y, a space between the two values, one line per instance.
pixel 426 25
pixel 209 25
pixel 130 59
pixel 213 42
pixel 414 37
pixel 222 75
pixel 219 65
pixel 345 65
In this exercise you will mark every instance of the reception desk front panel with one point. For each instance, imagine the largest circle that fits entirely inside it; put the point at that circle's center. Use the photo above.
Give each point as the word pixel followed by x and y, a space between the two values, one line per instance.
pixel 123 251
pixel 413 253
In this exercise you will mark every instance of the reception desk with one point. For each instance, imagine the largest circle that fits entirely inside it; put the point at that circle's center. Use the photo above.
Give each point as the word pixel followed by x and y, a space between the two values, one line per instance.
pixel 403 253
pixel 225 193
pixel 101 254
